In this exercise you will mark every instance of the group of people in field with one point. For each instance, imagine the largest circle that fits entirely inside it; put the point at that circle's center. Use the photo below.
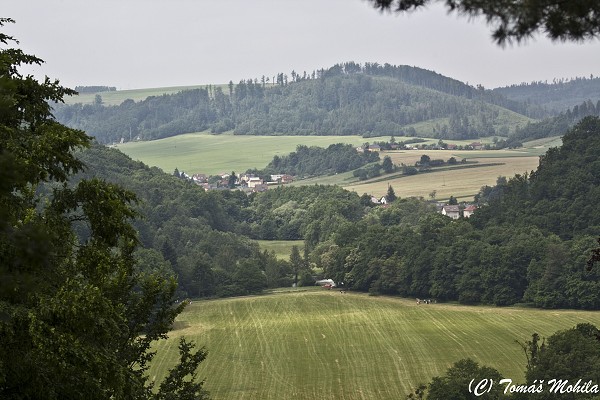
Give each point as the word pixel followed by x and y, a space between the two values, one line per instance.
pixel 426 301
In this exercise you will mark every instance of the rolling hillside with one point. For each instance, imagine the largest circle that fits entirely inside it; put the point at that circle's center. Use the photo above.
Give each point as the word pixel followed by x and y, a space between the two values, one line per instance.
pixel 349 99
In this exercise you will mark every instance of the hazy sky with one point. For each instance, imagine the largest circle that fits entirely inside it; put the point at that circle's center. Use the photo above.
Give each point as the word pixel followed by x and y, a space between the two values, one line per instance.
pixel 154 43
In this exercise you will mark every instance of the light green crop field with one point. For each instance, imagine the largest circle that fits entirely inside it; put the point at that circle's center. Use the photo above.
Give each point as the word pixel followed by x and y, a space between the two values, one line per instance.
pixel 282 248
pixel 327 345
pixel 215 154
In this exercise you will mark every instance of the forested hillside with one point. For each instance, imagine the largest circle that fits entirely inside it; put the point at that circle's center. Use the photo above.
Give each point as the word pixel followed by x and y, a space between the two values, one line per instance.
pixel 204 238
pixel 556 125
pixel 556 96
pixel 313 160
pixel 528 242
pixel 349 99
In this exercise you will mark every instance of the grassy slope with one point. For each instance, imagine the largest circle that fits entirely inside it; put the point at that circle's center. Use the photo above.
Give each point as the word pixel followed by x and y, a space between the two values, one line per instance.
pixel 212 154
pixel 116 97
pixel 461 183
pixel 282 248
pixel 327 345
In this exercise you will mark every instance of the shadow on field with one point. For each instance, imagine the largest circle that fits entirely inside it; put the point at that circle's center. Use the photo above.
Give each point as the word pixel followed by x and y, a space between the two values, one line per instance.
pixel 177 325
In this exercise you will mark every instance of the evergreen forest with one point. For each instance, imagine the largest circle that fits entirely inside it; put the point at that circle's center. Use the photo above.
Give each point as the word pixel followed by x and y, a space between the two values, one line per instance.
pixel 347 99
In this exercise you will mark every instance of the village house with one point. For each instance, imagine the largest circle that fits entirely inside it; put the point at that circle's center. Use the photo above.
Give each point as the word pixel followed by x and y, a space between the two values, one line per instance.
pixel 200 178
pixel 374 147
pixel 287 179
pixel 246 177
pixel 253 181
pixel 469 210
pixel 476 146
pixel 281 179
pixel 451 211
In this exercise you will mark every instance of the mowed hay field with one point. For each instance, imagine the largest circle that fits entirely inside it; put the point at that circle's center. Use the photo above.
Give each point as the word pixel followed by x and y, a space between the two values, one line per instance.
pixel 215 154
pixel 328 345
pixel 458 181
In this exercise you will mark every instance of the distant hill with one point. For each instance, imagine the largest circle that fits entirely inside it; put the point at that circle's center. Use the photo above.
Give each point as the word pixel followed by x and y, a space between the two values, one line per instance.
pixel 347 99
pixel 554 97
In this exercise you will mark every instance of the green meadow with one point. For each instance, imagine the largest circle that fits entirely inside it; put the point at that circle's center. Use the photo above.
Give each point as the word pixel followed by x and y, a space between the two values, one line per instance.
pixel 116 97
pixel 323 344
pixel 281 248
pixel 215 154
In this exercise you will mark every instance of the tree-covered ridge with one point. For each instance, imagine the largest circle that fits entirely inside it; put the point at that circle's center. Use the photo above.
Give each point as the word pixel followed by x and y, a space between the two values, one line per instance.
pixel 556 96
pixel 557 125
pixel 347 99
pixel 561 196
pixel 313 160
pixel 528 242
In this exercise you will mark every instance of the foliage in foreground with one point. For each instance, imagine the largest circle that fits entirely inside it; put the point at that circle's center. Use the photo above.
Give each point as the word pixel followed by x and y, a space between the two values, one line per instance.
pixel 77 315
pixel 566 358
pixel 520 20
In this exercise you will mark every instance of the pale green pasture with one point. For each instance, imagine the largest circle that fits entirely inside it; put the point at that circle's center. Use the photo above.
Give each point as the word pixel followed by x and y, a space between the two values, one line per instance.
pixel 118 96
pixel 282 248
pixel 215 154
pixel 328 345
pixel 553 141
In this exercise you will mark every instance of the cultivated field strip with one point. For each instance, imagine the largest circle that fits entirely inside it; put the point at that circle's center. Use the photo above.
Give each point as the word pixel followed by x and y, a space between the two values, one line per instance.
pixel 461 183
pixel 332 345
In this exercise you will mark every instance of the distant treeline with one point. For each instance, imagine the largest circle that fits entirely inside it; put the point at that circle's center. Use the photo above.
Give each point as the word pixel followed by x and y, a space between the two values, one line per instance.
pixel 94 89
